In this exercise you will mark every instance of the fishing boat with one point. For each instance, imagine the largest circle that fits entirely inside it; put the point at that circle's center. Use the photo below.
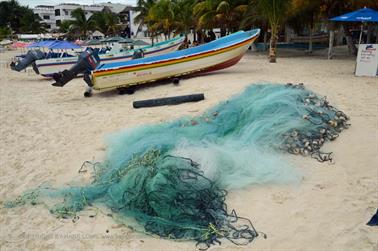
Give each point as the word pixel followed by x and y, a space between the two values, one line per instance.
pixel 48 66
pixel 215 55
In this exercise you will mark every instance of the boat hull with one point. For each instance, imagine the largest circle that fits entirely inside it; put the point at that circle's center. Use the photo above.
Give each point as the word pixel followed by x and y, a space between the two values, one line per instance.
pixel 47 67
pixel 188 65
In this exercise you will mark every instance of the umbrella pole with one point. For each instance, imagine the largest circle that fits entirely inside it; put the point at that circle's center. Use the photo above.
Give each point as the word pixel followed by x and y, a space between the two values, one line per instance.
pixel 359 41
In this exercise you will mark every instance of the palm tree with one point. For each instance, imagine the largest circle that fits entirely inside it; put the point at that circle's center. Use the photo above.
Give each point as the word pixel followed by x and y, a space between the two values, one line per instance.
pixel 275 12
pixel 16 18
pixel 106 22
pixel 162 16
pixel 81 24
pixel 183 18
pixel 31 23
pixel 143 7
pixel 205 12
pixel 230 13
pixel 304 13
pixel 224 14
pixel 65 26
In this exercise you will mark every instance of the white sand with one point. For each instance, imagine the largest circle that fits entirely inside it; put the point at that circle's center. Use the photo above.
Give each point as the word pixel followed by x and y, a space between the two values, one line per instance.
pixel 47 132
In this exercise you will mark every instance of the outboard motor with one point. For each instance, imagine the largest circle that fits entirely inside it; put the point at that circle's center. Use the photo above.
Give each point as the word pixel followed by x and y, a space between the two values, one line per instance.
pixel 88 61
pixel 138 54
pixel 29 59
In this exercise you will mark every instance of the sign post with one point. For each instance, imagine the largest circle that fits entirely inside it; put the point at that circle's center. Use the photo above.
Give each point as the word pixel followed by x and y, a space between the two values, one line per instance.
pixel 367 60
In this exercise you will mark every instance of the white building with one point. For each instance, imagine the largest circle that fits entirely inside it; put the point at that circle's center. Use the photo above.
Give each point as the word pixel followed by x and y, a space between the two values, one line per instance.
pixel 63 11
pixel 114 7
pixel 53 16
pixel 47 14
pixel 134 27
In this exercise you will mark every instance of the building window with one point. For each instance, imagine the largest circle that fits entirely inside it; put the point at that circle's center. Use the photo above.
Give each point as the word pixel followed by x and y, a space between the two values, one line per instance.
pixel 57 12
pixel 46 17
pixel 57 22
pixel 65 12
pixel 48 26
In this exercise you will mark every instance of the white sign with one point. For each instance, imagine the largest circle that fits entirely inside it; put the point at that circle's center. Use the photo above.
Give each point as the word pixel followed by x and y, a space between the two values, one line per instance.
pixel 367 60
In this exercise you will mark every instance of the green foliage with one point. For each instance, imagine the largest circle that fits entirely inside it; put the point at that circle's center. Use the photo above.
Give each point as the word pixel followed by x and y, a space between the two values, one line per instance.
pixel 65 26
pixel 184 20
pixel 81 25
pixel 31 23
pixel 143 7
pixel 4 32
pixel 106 22
pixel 19 18
pixel 161 17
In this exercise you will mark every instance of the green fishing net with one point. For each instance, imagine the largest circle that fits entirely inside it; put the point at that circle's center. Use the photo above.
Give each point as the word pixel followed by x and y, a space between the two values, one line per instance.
pixel 168 179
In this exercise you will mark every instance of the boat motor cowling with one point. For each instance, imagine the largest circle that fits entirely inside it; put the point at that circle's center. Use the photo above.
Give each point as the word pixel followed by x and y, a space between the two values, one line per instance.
pixel 30 57
pixel 87 62
pixel 138 54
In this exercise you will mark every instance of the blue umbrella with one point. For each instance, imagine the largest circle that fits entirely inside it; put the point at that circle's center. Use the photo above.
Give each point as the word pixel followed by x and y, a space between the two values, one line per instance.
pixel 44 43
pixel 63 45
pixel 361 15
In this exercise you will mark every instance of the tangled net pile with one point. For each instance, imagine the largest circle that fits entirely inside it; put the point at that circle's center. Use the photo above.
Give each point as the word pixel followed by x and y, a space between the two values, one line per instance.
pixel 235 144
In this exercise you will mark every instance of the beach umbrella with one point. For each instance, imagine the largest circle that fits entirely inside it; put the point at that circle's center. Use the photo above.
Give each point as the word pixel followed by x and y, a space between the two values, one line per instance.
pixel 63 45
pixel 93 42
pixel 79 42
pixel 140 43
pixel 97 34
pixel 126 41
pixel 112 39
pixel 363 15
pixel 5 42
pixel 19 44
pixel 44 43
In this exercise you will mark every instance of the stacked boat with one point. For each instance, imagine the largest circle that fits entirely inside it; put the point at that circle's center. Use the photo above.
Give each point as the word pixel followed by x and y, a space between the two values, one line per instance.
pixel 52 62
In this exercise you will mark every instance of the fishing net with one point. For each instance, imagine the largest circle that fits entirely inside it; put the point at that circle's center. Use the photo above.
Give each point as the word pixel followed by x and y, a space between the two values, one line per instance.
pixel 169 179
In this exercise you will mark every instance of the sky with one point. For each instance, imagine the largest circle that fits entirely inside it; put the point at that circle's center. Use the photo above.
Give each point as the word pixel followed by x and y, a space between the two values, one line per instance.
pixel 33 3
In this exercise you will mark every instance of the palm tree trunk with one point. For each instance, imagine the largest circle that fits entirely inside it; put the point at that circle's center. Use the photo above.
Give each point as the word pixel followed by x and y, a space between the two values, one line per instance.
pixel 273 45
pixel 265 39
pixel 311 33
pixel 330 45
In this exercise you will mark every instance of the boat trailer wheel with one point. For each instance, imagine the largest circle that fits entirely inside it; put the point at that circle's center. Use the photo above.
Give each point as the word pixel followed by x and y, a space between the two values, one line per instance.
pixel 176 81
pixel 126 90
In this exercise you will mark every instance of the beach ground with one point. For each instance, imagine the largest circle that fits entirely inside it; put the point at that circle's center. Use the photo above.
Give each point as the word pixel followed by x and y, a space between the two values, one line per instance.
pixel 47 133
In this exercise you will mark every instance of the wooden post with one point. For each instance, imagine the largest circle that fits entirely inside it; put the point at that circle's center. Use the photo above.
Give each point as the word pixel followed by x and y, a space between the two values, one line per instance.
pixel 310 40
pixel 330 45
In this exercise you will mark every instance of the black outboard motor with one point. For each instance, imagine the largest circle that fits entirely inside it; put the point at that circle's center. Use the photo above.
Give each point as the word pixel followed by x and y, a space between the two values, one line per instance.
pixel 88 61
pixel 138 54
pixel 29 59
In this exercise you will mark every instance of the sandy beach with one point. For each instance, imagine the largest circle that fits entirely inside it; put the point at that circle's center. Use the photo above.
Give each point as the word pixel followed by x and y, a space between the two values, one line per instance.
pixel 47 133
